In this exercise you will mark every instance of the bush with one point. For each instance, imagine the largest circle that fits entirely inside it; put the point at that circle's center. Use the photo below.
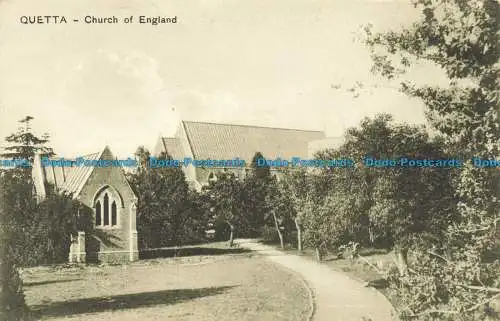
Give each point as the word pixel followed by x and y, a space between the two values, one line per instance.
pixel 222 230
pixel 12 305
pixel 291 238
pixel 269 234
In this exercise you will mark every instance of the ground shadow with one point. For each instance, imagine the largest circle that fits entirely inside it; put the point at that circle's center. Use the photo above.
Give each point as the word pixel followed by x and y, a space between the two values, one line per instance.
pixel 189 251
pixel 125 301
pixel 48 282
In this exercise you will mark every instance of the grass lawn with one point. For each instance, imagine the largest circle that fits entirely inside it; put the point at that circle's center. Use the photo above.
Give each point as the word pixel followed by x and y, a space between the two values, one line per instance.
pixel 217 285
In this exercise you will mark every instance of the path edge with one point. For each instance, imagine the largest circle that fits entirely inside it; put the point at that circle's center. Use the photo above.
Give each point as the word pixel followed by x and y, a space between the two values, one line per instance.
pixel 380 294
pixel 310 291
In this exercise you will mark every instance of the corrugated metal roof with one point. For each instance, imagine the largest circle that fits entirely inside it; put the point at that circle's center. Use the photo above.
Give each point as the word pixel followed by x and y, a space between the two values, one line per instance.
pixel 76 176
pixel 69 178
pixel 226 141
pixel 173 147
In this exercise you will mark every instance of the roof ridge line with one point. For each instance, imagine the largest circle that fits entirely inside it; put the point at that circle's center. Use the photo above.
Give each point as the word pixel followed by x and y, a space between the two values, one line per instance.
pixel 255 126
pixel 72 158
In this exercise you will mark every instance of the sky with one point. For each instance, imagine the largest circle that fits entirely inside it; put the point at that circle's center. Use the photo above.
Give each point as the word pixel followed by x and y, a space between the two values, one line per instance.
pixel 257 62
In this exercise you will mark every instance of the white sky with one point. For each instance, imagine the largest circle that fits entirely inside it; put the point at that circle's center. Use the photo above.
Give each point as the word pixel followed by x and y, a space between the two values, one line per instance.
pixel 261 62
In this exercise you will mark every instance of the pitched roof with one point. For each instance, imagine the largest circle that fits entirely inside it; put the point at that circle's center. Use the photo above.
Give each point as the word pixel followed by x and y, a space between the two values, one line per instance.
pixel 70 179
pixel 226 141
pixel 173 146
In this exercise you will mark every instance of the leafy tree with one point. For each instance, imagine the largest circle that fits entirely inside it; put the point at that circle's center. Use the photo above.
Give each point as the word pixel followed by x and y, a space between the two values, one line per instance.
pixel 42 230
pixel 391 205
pixel 24 144
pixel 57 217
pixel 296 194
pixel 280 209
pixel 166 209
pixel 451 278
pixel 12 304
pixel 225 199
pixel 256 190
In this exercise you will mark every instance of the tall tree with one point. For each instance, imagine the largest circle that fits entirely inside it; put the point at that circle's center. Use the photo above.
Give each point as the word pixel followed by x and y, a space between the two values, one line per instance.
pixel 225 197
pixel 256 190
pixel 295 189
pixel 451 279
pixel 391 205
pixel 24 144
pixel 281 211
pixel 12 304
pixel 166 211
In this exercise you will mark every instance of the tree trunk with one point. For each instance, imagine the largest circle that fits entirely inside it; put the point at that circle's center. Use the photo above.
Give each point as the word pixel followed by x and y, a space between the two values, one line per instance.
pixel 278 230
pixel 402 259
pixel 231 235
pixel 372 235
pixel 299 235
pixel 319 257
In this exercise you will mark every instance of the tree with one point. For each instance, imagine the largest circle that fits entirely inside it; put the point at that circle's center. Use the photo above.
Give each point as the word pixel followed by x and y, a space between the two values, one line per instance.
pixel 24 144
pixel 400 204
pixel 392 205
pixel 451 278
pixel 42 230
pixel 256 190
pixel 12 304
pixel 280 208
pixel 225 197
pixel 166 209
pixel 57 218
pixel 295 190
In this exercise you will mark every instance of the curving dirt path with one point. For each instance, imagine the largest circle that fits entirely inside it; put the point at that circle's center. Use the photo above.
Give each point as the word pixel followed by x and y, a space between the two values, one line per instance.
pixel 337 297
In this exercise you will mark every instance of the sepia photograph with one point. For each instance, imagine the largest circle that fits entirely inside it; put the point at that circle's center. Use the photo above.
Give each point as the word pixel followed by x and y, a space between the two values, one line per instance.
pixel 250 160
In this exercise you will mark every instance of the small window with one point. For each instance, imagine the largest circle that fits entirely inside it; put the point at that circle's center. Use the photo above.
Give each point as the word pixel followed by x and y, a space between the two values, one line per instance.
pixel 106 210
pixel 113 214
pixel 98 213
pixel 212 176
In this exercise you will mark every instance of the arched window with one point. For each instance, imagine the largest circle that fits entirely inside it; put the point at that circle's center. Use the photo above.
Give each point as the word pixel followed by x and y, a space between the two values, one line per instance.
pixel 98 213
pixel 212 177
pixel 113 214
pixel 106 210
pixel 107 204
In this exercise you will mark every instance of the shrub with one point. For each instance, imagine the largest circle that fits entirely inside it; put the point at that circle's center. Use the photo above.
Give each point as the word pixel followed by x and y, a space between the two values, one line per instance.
pixel 222 229
pixel 269 234
pixel 12 305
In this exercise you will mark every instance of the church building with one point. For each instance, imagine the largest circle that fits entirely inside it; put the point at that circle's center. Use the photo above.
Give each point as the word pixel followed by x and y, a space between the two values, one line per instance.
pixel 104 190
pixel 202 140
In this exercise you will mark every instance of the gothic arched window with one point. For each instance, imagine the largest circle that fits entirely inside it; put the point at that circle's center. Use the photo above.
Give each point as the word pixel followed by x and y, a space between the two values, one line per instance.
pixel 106 208
pixel 113 214
pixel 212 177
pixel 98 213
